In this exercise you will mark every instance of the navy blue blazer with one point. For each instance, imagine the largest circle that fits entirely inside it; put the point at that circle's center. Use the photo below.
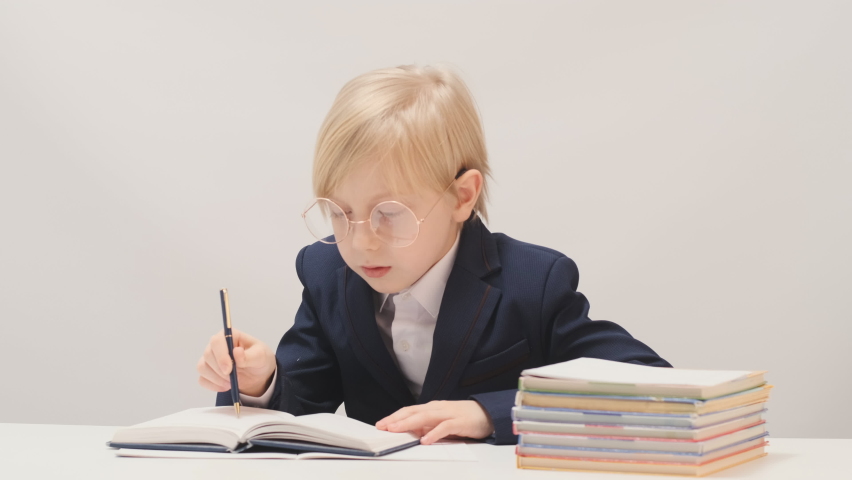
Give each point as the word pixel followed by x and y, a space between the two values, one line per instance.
pixel 507 306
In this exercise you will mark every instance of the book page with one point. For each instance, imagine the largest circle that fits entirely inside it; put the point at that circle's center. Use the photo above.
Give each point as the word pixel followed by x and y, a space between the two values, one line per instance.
pixel 345 427
pixel 221 418
pixel 342 431
pixel 605 371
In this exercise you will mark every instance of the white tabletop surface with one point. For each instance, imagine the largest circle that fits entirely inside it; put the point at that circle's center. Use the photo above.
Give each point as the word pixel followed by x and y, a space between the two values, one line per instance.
pixel 72 451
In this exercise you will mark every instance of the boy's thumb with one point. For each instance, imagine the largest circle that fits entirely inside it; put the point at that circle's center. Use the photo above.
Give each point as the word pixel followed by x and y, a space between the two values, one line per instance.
pixel 240 356
pixel 253 356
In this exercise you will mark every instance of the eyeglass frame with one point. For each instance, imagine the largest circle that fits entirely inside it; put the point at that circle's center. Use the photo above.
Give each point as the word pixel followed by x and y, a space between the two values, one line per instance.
pixel 370 217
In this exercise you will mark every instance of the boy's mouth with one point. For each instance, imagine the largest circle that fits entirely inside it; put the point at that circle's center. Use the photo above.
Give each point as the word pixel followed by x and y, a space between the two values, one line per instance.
pixel 375 272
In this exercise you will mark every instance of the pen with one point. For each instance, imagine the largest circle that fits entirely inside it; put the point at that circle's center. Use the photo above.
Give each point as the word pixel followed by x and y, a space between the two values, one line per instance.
pixel 229 339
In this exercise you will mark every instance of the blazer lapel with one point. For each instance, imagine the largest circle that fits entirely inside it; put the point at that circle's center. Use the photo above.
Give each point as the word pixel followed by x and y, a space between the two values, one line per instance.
pixel 466 308
pixel 360 323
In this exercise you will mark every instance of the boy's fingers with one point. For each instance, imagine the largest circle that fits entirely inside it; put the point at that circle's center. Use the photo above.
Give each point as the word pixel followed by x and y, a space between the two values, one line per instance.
pixel 394 417
pixel 445 428
pixel 242 339
pixel 212 367
pixel 258 355
pixel 210 359
pixel 211 386
pixel 397 416
pixel 220 352
pixel 415 422
pixel 240 357
pixel 206 372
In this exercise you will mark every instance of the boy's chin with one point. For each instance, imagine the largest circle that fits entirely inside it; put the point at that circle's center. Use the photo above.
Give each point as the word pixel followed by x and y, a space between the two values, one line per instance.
pixel 383 284
pixel 380 286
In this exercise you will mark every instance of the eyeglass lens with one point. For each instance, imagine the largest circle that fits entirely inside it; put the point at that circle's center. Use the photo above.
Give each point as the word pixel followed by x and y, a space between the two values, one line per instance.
pixel 393 222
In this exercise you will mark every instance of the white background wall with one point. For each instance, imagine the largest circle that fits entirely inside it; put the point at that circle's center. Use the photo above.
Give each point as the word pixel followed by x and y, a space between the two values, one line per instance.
pixel 692 157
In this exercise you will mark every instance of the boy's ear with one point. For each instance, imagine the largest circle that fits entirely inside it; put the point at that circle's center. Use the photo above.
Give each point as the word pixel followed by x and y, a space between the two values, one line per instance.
pixel 468 188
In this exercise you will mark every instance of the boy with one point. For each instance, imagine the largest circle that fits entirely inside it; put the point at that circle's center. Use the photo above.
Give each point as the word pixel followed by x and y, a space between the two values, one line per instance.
pixel 413 313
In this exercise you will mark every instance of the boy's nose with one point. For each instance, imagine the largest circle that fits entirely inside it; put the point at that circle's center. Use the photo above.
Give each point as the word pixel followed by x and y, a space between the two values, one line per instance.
pixel 363 237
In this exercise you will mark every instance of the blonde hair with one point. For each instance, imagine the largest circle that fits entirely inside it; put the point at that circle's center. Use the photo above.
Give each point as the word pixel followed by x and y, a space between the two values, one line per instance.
pixel 419 123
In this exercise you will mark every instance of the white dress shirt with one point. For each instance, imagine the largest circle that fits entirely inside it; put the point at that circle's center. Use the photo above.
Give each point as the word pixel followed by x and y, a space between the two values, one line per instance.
pixel 406 325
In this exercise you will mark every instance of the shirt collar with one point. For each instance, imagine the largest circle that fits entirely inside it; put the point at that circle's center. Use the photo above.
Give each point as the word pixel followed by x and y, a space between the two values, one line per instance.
pixel 428 290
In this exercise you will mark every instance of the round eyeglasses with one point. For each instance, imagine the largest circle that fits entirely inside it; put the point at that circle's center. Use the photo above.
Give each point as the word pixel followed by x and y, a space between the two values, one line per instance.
pixel 393 222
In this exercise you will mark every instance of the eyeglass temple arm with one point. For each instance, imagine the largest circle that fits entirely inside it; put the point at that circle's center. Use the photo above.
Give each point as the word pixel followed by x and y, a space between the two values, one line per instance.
pixel 461 172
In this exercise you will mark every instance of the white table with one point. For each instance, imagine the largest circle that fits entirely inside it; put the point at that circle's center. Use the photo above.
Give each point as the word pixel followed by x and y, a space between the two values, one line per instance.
pixel 70 451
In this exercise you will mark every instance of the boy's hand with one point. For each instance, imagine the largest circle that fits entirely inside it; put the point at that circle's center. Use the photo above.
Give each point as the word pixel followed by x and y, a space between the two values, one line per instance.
pixel 255 364
pixel 436 420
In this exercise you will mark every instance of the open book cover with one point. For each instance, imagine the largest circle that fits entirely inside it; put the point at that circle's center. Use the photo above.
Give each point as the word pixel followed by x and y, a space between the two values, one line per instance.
pixel 217 429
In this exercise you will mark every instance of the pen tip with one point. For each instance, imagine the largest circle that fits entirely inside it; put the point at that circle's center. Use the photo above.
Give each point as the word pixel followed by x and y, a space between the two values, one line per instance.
pixel 237 406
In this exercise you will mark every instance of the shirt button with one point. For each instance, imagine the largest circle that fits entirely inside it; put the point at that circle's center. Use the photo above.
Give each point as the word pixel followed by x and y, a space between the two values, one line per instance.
pixel 404 346
pixel 406 296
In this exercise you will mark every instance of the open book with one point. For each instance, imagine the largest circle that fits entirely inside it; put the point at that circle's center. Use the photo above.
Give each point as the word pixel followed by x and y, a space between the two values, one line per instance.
pixel 217 429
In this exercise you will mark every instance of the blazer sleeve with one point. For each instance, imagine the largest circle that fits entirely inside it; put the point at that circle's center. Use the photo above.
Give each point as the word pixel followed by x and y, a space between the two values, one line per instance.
pixel 567 333
pixel 308 377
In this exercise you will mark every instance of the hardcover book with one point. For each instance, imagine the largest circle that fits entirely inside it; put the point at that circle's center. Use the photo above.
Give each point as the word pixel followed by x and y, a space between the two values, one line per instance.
pixel 217 429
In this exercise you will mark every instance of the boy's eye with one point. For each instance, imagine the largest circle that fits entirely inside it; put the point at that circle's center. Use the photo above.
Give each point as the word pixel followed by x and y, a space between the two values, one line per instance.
pixel 389 213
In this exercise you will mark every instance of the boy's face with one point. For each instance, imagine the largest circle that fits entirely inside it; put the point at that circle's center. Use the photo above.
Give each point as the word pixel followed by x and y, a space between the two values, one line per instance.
pixel 361 248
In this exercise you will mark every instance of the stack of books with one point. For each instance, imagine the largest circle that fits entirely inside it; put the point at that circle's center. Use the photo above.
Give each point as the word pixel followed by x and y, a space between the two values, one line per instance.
pixel 591 414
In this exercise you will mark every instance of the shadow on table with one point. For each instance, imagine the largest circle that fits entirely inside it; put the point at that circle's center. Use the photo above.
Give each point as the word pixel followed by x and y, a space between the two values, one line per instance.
pixel 754 467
